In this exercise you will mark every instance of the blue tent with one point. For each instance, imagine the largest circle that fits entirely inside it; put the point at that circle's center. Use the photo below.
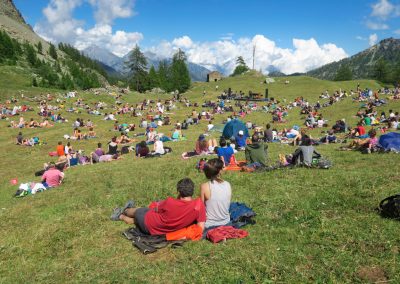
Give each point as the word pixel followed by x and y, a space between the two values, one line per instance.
pixel 232 128
pixel 390 141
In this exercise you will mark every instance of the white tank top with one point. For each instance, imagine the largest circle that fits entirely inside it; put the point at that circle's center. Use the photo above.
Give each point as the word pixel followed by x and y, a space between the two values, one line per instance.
pixel 217 207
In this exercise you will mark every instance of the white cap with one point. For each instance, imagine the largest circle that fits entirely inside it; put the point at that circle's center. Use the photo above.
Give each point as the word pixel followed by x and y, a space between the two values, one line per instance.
pixel 241 132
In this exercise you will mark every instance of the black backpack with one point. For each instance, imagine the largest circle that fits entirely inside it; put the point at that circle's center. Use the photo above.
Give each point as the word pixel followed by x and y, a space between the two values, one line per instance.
pixel 390 207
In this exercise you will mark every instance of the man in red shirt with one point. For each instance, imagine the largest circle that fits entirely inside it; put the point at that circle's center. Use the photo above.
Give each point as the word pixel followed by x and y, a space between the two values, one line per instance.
pixel 169 215
pixel 53 176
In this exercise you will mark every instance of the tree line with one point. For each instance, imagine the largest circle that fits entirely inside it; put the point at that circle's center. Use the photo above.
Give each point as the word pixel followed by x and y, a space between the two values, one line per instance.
pixel 381 71
pixel 168 77
pixel 72 70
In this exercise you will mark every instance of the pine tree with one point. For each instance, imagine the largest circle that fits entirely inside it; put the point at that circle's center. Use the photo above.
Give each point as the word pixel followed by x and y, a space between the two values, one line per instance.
pixel 30 54
pixel 153 78
pixel 136 64
pixel 180 78
pixel 39 47
pixel 382 71
pixel 241 67
pixel 163 76
pixel 344 74
pixel 53 52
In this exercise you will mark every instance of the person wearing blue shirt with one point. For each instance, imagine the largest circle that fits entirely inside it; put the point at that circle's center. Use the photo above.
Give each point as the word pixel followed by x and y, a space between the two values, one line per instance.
pixel 224 153
pixel 240 140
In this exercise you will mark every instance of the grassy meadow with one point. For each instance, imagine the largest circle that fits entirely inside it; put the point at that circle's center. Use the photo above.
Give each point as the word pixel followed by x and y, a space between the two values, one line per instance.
pixel 312 225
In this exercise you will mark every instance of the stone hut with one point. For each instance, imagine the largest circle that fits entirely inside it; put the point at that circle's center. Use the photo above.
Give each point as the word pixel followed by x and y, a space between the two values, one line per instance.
pixel 214 76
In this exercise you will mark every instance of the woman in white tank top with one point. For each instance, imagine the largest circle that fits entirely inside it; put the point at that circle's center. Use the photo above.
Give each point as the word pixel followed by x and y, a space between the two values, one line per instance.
pixel 216 194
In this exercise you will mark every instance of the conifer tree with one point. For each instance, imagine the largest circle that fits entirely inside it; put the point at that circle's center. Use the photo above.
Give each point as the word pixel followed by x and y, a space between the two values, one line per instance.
pixel 53 52
pixel 153 78
pixel 180 78
pixel 136 64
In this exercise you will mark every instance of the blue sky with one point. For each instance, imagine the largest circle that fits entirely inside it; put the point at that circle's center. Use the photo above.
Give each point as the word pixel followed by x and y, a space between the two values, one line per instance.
pixel 216 28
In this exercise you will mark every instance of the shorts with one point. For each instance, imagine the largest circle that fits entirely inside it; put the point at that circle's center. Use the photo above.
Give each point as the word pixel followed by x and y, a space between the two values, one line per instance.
pixel 140 213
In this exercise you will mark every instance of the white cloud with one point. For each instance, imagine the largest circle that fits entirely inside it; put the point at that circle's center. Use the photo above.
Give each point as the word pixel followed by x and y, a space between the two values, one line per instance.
pixel 360 38
pixel 183 42
pixel 119 43
pixel 373 39
pixel 397 32
pixel 60 26
pixel 377 26
pixel 383 9
pixel 107 11
pixel 306 55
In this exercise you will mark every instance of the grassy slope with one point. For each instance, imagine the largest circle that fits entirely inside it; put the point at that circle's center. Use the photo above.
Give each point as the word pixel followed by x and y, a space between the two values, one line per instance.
pixel 312 225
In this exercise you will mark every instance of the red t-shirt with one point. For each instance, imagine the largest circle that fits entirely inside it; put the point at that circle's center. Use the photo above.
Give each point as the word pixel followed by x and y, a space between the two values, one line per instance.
pixel 174 214
pixel 361 130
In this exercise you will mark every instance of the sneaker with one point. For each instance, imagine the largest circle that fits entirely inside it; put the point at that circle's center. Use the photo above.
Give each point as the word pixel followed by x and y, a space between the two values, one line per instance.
pixel 129 204
pixel 115 215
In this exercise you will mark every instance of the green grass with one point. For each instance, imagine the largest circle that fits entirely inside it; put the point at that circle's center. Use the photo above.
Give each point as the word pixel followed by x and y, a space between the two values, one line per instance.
pixel 312 225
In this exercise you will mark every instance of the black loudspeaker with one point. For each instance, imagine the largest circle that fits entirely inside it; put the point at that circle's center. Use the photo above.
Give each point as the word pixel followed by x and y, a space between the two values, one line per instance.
pixel 266 93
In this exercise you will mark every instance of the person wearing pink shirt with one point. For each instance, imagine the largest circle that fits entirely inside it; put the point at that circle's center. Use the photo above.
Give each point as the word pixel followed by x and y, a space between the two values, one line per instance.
pixel 52 177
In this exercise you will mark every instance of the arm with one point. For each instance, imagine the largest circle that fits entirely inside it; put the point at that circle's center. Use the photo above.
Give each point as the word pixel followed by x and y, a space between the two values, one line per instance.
pixel 201 225
pixel 205 193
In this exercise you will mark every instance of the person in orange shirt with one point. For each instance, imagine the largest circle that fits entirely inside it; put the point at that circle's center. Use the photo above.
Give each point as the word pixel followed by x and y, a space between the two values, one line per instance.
pixel 60 149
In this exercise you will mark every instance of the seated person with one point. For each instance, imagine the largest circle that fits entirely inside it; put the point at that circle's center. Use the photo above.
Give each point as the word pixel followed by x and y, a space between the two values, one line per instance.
pixel 329 138
pixel 177 134
pixel 216 195
pixel 170 214
pixel 53 177
pixel 99 151
pixel 19 139
pixel 201 146
pixel 60 149
pixel 256 152
pixel 240 140
pixel 224 152
pixel 304 153
pixel 268 135
pixel 113 146
pixel 123 139
pixel 158 146
pixel 142 150
pixel 91 133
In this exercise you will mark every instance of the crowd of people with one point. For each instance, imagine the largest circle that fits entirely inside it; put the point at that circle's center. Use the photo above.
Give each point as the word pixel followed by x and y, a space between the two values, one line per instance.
pixel 211 209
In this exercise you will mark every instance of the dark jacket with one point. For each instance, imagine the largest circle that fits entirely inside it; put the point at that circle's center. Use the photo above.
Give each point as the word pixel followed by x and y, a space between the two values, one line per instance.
pixel 256 153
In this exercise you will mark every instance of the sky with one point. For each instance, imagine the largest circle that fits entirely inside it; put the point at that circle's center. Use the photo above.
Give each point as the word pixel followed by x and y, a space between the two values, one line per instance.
pixel 291 35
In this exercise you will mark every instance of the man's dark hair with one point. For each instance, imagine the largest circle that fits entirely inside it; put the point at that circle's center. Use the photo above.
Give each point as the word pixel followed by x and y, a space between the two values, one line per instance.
pixel 268 126
pixel 212 168
pixel 306 141
pixel 255 138
pixel 222 142
pixel 185 187
pixel 99 145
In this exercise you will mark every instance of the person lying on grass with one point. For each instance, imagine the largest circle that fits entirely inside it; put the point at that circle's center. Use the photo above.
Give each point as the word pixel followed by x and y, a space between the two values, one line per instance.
pixel 169 215
pixel 366 144
pixel 216 194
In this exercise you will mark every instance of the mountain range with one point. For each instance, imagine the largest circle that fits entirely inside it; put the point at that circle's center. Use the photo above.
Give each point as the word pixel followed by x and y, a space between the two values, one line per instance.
pixel 362 64
pixel 116 64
